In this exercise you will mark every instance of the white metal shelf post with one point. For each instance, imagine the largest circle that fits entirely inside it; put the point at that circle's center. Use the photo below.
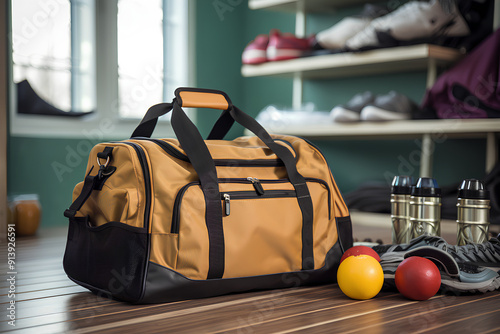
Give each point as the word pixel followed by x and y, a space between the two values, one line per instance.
pixel 496 15
pixel 491 151
pixel 427 149
pixel 300 31
pixel 426 156
pixel 300 19
pixel 4 107
pixel 492 139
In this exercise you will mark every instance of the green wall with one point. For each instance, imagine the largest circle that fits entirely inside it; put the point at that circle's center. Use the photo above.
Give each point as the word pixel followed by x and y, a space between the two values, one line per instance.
pixel 49 168
pixel 220 39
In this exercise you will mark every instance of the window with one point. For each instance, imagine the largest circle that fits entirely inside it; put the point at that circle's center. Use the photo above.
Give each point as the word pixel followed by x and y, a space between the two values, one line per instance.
pixel 140 55
pixel 53 53
pixel 151 59
pixel 111 56
pixel 83 77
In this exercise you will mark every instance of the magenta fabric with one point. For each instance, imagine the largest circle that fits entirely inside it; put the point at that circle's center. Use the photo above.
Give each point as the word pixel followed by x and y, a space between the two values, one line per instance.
pixel 479 73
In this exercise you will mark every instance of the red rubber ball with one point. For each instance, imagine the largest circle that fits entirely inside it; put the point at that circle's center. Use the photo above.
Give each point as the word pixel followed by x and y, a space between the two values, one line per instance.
pixel 360 250
pixel 417 278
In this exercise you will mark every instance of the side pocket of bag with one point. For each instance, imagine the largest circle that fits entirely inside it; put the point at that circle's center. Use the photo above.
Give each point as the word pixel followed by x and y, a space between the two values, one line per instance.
pixel 124 209
pixel 110 259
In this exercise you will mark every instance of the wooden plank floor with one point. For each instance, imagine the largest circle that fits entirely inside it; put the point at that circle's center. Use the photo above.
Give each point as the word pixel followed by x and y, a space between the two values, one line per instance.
pixel 48 302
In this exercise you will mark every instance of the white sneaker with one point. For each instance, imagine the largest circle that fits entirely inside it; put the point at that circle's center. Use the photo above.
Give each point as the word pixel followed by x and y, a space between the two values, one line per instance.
pixel 414 22
pixel 335 37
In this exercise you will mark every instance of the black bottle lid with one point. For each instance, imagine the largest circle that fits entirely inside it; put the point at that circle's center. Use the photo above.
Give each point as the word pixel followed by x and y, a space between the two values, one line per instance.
pixel 426 187
pixel 474 189
pixel 401 185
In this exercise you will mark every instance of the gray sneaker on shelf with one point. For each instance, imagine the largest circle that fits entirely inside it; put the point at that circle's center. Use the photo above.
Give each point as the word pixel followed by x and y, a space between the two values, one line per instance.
pixel 455 277
pixel 350 112
pixel 389 107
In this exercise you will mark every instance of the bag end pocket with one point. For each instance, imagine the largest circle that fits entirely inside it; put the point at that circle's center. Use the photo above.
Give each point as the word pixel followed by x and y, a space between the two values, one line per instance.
pixel 110 258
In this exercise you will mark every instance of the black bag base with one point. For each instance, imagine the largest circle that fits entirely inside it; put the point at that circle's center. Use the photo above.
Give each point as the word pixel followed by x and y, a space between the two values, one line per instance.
pixel 166 285
pixel 163 285
pixel 118 274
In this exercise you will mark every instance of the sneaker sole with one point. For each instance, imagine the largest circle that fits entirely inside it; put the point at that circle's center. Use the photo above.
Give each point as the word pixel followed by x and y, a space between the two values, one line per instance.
pixel 373 113
pixel 254 56
pixel 274 53
pixel 491 284
pixel 343 115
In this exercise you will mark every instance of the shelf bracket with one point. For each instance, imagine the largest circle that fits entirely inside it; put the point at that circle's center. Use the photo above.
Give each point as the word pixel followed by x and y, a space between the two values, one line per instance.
pixel 300 31
pixel 427 151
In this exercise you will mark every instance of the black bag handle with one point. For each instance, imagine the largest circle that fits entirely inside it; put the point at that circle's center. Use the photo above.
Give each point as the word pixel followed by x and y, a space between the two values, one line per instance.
pixel 222 126
pixel 193 144
pixel 185 97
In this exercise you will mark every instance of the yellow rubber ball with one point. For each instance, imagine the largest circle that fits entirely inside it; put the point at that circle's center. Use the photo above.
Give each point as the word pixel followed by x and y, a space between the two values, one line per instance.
pixel 360 277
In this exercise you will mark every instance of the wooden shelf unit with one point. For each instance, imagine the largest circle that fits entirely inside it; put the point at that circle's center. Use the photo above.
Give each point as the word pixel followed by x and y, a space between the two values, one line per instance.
pixel 391 129
pixel 310 5
pixel 407 58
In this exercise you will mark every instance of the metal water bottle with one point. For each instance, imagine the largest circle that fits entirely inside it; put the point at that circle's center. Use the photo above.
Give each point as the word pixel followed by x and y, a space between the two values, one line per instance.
pixel 473 212
pixel 400 209
pixel 425 208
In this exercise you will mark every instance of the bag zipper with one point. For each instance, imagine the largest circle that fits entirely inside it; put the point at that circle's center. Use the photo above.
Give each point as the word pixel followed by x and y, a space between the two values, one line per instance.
pixel 147 180
pixel 242 194
pixel 326 161
pixel 236 195
pixel 258 187
pixel 141 155
pixel 174 152
pixel 174 228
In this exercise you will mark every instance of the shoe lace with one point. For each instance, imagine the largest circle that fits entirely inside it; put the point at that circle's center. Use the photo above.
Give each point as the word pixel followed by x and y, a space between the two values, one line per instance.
pixel 464 249
pixel 492 246
pixel 469 249
pixel 433 241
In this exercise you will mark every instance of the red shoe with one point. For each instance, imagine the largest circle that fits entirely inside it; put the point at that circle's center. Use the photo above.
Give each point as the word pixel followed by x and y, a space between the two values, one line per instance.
pixel 286 46
pixel 255 51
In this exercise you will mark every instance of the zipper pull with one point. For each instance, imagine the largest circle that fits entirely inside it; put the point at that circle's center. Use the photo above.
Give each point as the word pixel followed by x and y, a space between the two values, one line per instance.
pixel 227 204
pixel 256 185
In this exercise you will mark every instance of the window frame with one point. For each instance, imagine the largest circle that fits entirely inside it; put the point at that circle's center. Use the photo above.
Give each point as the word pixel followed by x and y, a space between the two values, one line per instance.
pixel 105 122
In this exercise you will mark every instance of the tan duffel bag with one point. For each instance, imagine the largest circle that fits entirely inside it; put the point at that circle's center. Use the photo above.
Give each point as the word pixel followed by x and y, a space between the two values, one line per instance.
pixel 159 220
